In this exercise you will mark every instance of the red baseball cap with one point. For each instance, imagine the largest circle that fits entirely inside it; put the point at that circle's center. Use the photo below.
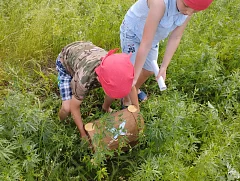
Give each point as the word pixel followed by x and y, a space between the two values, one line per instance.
pixel 116 74
pixel 198 5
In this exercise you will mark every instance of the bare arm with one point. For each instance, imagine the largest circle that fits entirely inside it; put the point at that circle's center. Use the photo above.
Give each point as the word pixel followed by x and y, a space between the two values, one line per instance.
pixel 76 114
pixel 107 103
pixel 133 97
pixel 172 45
pixel 155 14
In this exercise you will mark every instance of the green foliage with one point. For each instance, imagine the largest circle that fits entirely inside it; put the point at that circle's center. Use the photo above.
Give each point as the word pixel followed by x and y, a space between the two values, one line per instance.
pixel 192 129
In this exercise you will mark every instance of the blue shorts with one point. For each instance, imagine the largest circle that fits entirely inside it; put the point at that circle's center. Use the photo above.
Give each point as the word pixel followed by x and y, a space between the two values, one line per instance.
pixel 130 43
pixel 64 81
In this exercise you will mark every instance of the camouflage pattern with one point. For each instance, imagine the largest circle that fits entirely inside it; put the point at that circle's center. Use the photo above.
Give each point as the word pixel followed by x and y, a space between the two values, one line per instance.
pixel 80 60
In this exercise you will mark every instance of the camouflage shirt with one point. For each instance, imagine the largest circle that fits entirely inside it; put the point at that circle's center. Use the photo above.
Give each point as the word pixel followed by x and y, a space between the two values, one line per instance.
pixel 80 60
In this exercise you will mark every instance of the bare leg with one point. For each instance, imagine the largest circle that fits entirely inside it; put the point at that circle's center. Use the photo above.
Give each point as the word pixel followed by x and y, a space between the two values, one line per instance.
pixel 145 74
pixel 64 110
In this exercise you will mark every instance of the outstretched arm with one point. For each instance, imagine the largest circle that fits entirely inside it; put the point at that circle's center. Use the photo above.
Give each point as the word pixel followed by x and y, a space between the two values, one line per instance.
pixel 155 14
pixel 76 114
pixel 173 42
pixel 134 97
pixel 107 103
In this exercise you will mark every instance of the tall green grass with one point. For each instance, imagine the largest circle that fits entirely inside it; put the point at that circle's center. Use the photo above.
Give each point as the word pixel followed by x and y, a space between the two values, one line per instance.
pixel 192 130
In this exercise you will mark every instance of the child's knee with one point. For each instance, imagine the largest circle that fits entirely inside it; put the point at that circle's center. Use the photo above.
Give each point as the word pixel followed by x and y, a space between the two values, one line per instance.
pixel 66 108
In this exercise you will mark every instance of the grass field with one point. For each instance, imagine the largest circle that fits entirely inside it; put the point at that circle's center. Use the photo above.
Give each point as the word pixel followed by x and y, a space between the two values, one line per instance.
pixel 192 130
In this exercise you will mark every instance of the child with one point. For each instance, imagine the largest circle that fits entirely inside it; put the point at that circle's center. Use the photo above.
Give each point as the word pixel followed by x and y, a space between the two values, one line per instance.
pixel 82 67
pixel 146 23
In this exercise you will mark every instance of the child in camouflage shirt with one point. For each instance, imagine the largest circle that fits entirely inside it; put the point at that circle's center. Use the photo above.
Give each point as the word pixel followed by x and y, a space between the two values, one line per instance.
pixel 82 67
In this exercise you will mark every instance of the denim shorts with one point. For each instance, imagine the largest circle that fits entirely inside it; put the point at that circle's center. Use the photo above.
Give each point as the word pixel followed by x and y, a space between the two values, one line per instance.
pixel 64 81
pixel 130 43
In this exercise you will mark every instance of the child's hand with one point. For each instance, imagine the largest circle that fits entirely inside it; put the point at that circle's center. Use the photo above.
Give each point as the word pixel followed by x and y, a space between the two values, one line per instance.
pixel 108 110
pixel 162 72
pixel 87 141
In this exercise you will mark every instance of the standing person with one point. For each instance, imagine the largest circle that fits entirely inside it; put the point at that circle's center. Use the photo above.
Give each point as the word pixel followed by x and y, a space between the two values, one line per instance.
pixel 81 67
pixel 146 23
